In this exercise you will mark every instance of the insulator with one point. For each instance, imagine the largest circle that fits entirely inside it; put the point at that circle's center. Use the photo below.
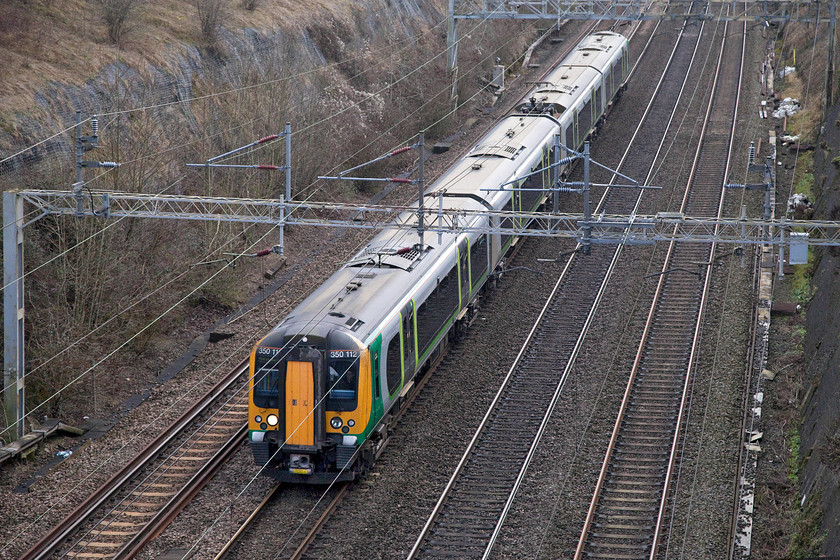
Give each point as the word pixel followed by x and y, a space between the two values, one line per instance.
pixel 94 124
pixel 401 150
pixel 108 164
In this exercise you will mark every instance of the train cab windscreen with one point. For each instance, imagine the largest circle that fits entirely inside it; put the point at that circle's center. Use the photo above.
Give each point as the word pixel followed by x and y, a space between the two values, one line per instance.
pixel 266 381
pixel 343 380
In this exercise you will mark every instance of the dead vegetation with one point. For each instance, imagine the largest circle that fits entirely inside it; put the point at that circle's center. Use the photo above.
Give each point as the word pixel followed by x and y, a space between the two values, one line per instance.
pixel 130 284
pixel 802 47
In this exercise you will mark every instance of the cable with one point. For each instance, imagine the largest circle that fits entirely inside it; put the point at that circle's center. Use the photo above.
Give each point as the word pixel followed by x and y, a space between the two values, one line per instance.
pixel 264 368
pixel 82 242
pixel 144 329
pixel 110 354
pixel 227 92
pixel 141 331
pixel 59 133
pixel 274 81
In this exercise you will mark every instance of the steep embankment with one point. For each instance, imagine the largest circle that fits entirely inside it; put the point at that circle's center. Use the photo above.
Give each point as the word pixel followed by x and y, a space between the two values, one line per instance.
pixel 820 431
pixel 354 79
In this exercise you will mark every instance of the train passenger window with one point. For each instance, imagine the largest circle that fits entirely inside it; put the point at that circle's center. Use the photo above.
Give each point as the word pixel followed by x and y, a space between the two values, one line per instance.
pixel 531 193
pixel 506 223
pixel 478 259
pixel 266 383
pixel 598 105
pixel 393 364
pixel 585 119
pixel 343 380
pixel 438 307
pixel 452 292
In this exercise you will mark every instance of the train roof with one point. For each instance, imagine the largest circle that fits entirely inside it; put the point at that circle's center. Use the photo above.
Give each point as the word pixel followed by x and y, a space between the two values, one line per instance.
pixel 391 265
pixel 572 79
pixel 382 275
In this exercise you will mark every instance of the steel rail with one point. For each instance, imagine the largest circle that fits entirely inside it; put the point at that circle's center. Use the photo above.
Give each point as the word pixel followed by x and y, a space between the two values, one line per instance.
pixel 244 527
pixel 646 336
pixel 701 315
pixel 57 536
pixel 310 536
pixel 471 446
pixel 750 365
pixel 184 496
pixel 580 340
pixel 491 408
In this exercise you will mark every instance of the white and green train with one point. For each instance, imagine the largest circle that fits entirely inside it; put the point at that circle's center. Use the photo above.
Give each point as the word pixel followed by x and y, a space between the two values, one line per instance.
pixel 326 380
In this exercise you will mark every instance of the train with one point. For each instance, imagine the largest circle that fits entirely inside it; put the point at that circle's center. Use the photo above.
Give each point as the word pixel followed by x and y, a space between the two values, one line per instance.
pixel 326 382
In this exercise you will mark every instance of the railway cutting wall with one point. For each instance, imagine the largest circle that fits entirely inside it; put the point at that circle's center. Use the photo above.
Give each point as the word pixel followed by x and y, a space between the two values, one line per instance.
pixel 820 430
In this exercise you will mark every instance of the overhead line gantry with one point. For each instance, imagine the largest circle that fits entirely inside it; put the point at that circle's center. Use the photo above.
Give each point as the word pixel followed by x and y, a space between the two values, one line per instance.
pixel 758 11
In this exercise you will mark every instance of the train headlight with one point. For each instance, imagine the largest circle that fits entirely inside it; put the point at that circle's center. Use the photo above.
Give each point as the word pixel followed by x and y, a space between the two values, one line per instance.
pixel 257 418
pixel 335 422
pixel 351 422
pixel 272 420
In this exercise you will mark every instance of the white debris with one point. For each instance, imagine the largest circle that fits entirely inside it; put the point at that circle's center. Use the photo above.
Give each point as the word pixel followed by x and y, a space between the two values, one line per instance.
pixel 64 454
pixel 788 107
pixel 788 139
pixel 798 201
pixel 786 71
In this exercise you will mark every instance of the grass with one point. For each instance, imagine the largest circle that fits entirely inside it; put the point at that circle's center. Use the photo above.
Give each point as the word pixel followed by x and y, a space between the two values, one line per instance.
pixel 79 47
pixel 802 289
pixel 799 39
pixel 794 461
pixel 808 538
pixel 804 178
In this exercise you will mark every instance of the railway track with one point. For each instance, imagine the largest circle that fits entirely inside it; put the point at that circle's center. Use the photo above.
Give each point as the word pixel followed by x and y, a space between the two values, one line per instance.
pixel 627 517
pixel 308 547
pixel 140 500
pixel 471 511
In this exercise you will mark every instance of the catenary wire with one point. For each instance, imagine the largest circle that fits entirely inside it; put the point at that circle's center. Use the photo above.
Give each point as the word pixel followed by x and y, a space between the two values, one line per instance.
pixel 141 331
pixel 121 346
pixel 256 476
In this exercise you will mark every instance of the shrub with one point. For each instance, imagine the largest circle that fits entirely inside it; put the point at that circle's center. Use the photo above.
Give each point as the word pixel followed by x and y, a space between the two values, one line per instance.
pixel 210 16
pixel 117 15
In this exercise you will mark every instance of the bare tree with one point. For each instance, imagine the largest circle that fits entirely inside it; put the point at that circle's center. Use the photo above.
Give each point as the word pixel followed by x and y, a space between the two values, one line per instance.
pixel 250 5
pixel 210 16
pixel 118 17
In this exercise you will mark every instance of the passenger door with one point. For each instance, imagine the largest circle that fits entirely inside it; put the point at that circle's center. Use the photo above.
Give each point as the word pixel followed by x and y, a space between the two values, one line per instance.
pixel 409 340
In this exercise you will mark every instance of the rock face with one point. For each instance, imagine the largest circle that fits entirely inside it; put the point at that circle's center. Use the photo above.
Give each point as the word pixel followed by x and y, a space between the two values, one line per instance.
pixel 820 432
pixel 349 38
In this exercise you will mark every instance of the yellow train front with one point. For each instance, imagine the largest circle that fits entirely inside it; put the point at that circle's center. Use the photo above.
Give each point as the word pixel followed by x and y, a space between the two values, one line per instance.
pixel 310 406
